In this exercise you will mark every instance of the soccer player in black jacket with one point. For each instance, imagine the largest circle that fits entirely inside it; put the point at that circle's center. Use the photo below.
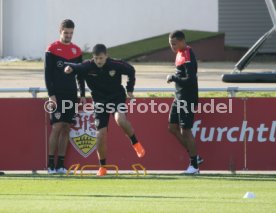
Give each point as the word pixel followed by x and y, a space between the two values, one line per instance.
pixel 103 76
pixel 61 87
pixel 181 118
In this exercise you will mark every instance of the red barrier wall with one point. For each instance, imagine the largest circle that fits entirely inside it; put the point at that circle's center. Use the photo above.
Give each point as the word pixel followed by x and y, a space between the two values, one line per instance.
pixel 226 141
pixel 23 135
pixel 261 115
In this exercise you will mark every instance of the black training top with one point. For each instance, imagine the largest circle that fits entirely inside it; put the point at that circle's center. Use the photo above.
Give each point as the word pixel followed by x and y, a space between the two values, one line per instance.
pixel 105 83
pixel 56 80
pixel 185 77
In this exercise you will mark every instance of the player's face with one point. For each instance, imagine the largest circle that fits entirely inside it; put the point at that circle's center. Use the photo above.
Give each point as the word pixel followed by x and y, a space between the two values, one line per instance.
pixel 100 59
pixel 176 45
pixel 66 35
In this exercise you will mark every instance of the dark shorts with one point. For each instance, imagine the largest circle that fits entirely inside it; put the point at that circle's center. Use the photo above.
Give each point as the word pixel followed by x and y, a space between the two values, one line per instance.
pixel 64 115
pixel 183 117
pixel 102 111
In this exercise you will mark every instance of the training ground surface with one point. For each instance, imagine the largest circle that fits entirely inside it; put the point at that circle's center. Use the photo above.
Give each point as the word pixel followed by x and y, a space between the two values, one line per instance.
pixel 127 193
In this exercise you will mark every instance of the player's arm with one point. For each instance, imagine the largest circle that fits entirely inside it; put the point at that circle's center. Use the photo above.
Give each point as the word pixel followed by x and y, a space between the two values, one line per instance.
pixel 49 73
pixel 79 68
pixel 191 76
pixel 80 80
pixel 127 69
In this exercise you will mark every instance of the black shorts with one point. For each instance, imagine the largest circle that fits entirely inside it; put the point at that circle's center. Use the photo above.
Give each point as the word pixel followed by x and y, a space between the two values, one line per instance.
pixel 102 111
pixel 67 114
pixel 184 116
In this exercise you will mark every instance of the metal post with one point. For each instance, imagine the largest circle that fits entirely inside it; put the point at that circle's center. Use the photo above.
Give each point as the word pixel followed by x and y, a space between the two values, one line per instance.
pixel 245 138
pixel 34 91
pixel 232 91
pixel 271 10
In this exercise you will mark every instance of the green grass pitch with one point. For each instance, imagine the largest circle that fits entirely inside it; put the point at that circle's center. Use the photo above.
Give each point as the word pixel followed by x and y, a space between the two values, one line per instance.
pixel 146 194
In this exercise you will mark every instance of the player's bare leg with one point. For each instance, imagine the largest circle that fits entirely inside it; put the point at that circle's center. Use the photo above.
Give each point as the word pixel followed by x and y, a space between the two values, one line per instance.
pixel 190 141
pixel 54 137
pixel 53 143
pixel 63 139
pixel 62 147
pixel 122 122
pixel 174 129
pixel 101 150
pixel 101 143
pixel 186 138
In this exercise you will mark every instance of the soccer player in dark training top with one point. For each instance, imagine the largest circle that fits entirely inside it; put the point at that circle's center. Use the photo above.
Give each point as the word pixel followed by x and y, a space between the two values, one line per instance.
pixel 103 76
pixel 61 87
pixel 181 119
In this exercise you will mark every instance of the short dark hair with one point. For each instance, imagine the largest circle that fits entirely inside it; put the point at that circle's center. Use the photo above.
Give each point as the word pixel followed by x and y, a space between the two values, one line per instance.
pixel 179 35
pixel 98 49
pixel 67 23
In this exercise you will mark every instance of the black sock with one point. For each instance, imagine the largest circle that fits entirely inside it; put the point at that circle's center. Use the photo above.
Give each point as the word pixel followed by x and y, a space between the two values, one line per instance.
pixel 51 161
pixel 102 162
pixel 133 139
pixel 60 162
pixel 194 162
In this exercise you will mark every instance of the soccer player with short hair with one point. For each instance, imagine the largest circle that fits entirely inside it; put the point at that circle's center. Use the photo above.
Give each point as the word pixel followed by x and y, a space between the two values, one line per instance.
pixel 103 76
pixel 61 87
pixel 185 79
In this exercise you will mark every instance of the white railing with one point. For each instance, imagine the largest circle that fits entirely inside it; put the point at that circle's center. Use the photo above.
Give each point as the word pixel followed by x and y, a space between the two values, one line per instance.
pixel 230 90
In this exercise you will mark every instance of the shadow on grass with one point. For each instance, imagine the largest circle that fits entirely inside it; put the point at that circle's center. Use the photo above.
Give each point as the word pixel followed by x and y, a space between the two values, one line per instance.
pixel 100 196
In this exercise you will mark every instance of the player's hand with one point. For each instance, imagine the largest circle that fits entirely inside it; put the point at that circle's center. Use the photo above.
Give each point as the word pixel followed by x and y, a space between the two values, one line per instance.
pixel 130 95
pixel 83 100
pixel 53 98
pixel 68 69
pixel 169 78
pixel 52 102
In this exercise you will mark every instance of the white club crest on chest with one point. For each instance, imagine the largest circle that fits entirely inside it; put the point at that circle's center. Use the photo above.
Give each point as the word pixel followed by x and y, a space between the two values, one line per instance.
pixel 112 73
pixel 74 51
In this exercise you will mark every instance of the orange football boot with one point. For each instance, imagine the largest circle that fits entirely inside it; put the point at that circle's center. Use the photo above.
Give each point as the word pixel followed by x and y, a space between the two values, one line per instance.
pixel 102 171
pixel 140 151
